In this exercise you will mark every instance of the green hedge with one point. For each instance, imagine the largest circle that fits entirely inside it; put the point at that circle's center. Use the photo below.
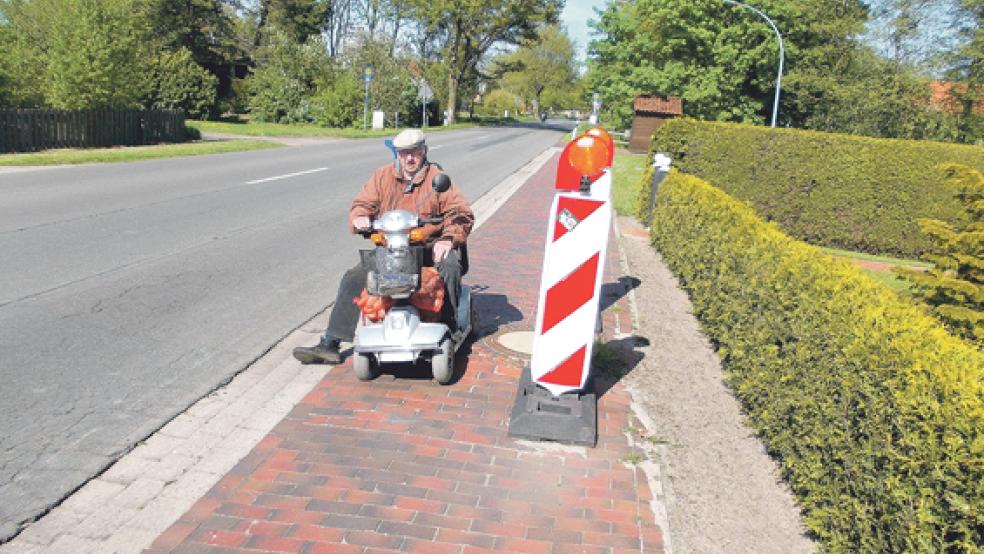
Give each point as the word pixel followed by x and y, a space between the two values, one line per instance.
pixel 875 412
pixel 844 191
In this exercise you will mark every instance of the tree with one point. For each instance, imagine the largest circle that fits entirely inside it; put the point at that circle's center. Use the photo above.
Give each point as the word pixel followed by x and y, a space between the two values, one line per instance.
pixel 954 286
pixel 565 98
pixel 721 60
pixel 968 73
pixel 338 21
pixel 207 29
pixel 391 89
pixel 286 77
pixel 865 94
pixel 538 64
pixel 203 27
pixel 75 54
pixel 498 102
pixel 299 20
pixel 915 34
pixel 94 55
pixel 469 28
pixel 6 80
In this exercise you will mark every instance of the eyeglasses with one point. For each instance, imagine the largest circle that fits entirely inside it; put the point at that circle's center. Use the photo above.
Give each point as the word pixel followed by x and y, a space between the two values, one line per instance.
pixel 415 152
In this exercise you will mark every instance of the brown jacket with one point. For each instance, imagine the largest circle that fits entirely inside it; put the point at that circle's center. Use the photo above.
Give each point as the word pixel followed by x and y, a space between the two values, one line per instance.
pixel 385 191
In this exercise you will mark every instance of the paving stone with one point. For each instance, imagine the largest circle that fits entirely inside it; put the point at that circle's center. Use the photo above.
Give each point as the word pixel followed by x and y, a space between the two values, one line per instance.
pixel 129 540
pixel 23 548
pixel 193 484
pixel 158 514
pixel 182 426
pixel 71 544
pixel 46 530
pixel 103 523
pixel 94 494
pixel 139 493
pixel 170 468
pixel 127 470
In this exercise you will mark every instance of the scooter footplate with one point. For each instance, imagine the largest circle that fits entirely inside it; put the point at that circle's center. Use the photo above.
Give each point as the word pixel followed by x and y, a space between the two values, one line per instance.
pixel 372 339
pixel 392 357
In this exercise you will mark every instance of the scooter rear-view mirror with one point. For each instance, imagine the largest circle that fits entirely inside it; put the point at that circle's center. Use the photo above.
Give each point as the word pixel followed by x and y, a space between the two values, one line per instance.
pixel 441 182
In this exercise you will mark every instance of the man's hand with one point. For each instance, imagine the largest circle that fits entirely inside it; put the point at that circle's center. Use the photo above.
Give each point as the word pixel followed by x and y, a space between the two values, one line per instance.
pixel 441 249
pixel 361 223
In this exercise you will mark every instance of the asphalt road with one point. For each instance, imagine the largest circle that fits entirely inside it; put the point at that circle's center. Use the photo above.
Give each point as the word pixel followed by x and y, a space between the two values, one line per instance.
pixel 129 291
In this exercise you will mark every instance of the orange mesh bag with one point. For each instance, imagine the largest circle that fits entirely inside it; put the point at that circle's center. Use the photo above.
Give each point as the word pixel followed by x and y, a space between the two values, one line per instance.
pixel 373 307
pixel 430 298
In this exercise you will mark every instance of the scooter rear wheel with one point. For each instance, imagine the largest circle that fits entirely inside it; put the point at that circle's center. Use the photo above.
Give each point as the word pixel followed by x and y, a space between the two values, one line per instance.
pixel 442 363
pixel 365 367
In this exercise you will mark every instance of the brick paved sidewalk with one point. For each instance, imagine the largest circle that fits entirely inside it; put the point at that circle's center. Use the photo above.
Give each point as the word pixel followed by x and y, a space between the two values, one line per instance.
pixel 402 464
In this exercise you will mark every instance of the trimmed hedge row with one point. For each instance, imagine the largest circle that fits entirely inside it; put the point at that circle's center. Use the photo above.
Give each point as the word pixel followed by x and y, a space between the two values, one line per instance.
pixel 875 412
pixel 827 189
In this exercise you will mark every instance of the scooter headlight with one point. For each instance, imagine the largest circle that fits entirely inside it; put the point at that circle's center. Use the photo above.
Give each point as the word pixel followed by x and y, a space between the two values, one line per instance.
pixel 397 241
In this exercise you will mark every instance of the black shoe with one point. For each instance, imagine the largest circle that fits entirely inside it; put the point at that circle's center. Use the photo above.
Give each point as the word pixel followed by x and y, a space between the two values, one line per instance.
pixel 323 353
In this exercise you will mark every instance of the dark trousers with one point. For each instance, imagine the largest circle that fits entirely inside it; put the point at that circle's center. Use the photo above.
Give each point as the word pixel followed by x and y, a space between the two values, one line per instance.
pixel 345 315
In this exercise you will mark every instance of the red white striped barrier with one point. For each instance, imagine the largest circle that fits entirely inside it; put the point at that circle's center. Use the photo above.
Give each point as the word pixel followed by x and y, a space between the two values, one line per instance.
pixel 573 268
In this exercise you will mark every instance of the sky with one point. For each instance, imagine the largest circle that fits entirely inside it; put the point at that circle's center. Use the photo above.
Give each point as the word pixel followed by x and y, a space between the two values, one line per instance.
pixel 575 17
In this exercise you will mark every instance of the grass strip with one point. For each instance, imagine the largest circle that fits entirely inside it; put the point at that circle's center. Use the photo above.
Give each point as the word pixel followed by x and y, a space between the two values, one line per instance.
pixel 132 153
pixel 886 277
pixel 627 171
pixel 257 129
pixel 875 258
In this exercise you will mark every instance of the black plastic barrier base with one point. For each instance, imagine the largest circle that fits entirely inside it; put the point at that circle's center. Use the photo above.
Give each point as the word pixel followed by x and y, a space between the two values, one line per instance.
pixel 538 415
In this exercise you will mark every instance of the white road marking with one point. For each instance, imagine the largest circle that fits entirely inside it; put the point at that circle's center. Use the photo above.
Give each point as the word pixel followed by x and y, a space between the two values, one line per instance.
pixel 287 176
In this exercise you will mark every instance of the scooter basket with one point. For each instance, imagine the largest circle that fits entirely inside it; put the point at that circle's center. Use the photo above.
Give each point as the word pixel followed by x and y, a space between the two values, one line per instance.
pixel 392 272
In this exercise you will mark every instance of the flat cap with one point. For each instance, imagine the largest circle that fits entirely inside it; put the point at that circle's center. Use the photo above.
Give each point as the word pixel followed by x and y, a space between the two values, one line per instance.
pixel 409 138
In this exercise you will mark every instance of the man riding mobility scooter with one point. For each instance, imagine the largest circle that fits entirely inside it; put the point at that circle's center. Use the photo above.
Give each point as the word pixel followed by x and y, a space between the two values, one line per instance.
pixel 408 310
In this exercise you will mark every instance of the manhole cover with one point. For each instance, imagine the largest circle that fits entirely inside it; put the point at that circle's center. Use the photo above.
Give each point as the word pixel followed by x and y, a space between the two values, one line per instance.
pixel 517 343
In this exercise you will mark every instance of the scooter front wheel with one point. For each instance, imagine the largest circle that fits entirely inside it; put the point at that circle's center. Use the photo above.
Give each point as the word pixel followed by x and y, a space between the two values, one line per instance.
pixel 442 363
pixel 365 367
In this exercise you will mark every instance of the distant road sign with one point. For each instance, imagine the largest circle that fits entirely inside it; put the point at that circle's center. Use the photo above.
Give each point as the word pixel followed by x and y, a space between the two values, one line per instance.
pixel 367 73
pixel 425 92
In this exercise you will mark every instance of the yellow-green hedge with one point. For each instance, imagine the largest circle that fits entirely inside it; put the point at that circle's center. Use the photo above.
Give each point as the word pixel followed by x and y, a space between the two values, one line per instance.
pixel 874 411
pixel 827 189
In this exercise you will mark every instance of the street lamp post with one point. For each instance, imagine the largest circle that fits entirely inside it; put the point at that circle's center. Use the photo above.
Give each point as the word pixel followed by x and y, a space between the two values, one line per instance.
pixel 782 54
pixel 367 73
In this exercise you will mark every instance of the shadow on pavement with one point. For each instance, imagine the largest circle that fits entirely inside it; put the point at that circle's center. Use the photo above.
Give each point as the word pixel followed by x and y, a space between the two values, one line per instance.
pixel 613 292
pixel 616 358
pixel 494 312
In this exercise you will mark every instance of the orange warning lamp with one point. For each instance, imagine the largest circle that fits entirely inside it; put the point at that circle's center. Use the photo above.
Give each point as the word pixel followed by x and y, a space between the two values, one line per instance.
pixel 589 155
pixel 601 133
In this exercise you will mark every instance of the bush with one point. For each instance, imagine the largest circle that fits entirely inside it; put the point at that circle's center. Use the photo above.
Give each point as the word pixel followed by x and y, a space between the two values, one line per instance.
pixel 281 86
pixel 843 191
pixel 192 134
pixel 954 286
pixel 178 83
pixel 875 412
pixel 340 103
pixel 498 102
